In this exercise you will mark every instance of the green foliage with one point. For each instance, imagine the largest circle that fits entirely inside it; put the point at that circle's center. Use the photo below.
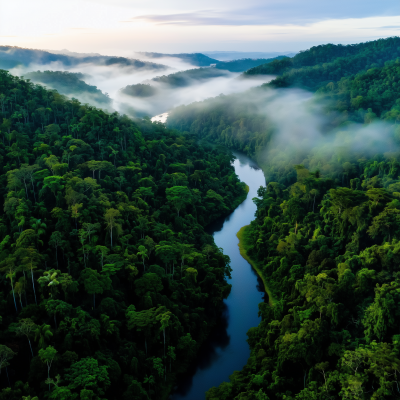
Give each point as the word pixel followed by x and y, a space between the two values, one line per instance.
pixel 70 84
pixel 90 214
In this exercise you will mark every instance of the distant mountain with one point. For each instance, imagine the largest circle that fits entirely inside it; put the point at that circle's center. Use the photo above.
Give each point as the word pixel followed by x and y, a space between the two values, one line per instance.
pixel 11 57
pixel 73 53
pixel 245 63
pixel 196 59
pixel 176 80
pixel 72 85
pixel 319 65
pixel 237 55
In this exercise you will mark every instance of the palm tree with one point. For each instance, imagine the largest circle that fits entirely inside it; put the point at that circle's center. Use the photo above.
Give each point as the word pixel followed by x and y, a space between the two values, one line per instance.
pixel 26 327
pixel 31 258
pixel 143 253
pixel 20 289
pixel 43 333
pixel 10 271
pixel 40 228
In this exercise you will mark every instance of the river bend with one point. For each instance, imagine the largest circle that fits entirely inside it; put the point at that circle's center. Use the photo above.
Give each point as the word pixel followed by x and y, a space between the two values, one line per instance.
pixel 226 350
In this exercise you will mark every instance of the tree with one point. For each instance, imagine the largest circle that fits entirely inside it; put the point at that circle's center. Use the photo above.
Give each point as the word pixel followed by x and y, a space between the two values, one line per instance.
pixel 143 253
pixel 8 266
pixel 110 217
pixel 6 354
pixel 166 253
pixel 56 241
pixel 30 259
pixel 90 228
pixel 54 183
pixel 95 283
pixel 94 166
pixel 88 375
pixel 57 306
pixel 172 356
pixel 145 320
pixel 50 279
pixel 39 228
pixel 27 327
pixel 43 333
pixel 385 223
pixel 148 282
pixel 179 196
pixel 19 288
pixel 103 251
pixel 51 162
pixel 47 356
pixel 164 321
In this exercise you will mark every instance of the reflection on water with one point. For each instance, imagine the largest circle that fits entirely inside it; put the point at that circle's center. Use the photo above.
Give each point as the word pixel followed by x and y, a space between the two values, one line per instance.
pixel 226 350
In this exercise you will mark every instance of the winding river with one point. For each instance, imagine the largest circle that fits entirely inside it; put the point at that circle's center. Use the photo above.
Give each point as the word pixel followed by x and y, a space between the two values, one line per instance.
pixel 227 350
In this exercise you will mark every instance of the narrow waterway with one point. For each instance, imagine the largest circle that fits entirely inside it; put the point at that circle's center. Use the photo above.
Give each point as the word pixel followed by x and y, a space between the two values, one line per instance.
pixel 227 350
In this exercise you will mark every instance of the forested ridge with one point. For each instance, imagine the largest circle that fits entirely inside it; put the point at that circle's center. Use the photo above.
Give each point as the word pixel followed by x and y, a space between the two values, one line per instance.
pixel 70 84
pixel 329 252
pixel 313 68
pixel 238 121
pixel 175 80
pixel 109 281
pixel 13 56
pixel 326 232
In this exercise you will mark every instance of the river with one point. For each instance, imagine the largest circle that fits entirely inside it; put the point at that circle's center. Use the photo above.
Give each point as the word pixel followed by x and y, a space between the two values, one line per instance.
pixel 226 350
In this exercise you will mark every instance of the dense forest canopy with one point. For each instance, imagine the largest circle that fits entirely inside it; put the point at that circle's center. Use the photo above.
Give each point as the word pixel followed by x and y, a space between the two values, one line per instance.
pixel 186 78
pixel 12 56
pixel 319 65
pixel 109 281
pixel 176 80
pixel 326 234
pixel 240 122
pixel 244 64
pixel 71 84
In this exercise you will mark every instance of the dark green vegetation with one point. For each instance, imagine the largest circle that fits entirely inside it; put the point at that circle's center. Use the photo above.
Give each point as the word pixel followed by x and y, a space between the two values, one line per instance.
pixel 329 250
pixel 245 63
pixel 175 80
pixel 71 84
pixel 238 121
pixel 11 57
pixel 327 228
pixel 186 78
pixel 109 282
pixel 319 65
pixel 196 59
pixel 139 90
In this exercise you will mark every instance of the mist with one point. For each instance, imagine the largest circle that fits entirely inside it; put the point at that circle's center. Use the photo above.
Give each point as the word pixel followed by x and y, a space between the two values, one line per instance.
pixel 304 131
pixel 110 79
pixel 168 97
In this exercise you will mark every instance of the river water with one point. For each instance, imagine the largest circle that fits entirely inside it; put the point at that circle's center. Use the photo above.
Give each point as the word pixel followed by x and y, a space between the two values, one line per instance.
pixel 227 350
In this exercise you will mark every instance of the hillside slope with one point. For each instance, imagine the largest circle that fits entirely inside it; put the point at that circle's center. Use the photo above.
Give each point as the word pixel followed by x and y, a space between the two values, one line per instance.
pixel 107 272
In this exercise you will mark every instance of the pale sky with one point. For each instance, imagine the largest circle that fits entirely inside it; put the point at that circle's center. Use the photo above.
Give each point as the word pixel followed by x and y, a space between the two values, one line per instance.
pixel 121 27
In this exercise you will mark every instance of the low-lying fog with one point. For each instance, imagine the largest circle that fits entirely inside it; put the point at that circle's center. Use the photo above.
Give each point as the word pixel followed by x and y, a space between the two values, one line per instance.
pixel 111 79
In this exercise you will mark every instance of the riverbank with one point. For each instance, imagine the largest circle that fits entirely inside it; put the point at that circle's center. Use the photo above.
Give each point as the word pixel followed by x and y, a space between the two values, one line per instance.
pixel 239 200
pixel 243 240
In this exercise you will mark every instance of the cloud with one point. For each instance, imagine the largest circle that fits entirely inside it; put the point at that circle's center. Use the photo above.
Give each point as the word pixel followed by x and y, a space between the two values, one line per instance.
pixel 389 27
pixel 273 12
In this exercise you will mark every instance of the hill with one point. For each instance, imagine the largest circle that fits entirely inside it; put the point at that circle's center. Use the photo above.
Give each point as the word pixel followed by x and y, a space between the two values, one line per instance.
pixel 11 57
pixel 70 84
pixel 176 80
pixel 113 277
pixel 245 63
pixel 319 65
pixel 196 59
pixel 326 231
